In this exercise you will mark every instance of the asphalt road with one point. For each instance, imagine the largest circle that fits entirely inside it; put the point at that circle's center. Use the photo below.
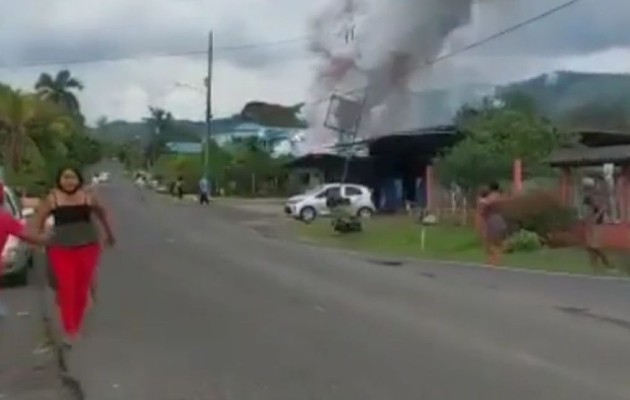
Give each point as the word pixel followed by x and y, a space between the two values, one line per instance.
pixel 25 374
pixel 194 306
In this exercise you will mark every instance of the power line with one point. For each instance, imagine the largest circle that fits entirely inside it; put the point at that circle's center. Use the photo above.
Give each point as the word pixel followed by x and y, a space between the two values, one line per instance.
pixel 473 45
pixel 247 46
pixel 188 53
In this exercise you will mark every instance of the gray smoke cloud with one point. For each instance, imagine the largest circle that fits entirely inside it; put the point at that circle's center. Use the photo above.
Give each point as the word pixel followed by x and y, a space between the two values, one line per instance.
pixel 379 46
pixel 383 45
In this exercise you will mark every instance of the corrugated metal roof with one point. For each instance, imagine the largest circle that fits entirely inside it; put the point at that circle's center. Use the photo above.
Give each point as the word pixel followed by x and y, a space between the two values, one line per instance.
pixel 590 156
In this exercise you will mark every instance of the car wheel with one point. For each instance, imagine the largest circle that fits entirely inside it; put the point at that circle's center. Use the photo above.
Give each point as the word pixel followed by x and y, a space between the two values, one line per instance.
pixel 364 212
pixel 20 278
pixel 308 214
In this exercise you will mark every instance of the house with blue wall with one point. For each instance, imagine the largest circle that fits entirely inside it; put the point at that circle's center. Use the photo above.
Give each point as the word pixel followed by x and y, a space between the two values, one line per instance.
pixel 279 139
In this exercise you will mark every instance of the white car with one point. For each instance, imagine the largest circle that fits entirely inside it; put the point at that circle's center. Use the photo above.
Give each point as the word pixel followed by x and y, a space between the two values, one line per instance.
pixel 313 203
pixel 104 176
pixel 17 255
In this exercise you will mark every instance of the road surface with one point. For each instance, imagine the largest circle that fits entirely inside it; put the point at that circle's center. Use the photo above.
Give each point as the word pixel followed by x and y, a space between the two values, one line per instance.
pixel 25 374
pixel 195 306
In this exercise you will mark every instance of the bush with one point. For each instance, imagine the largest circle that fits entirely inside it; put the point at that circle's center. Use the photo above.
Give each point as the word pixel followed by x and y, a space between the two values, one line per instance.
pixel 171 166
pixel 523 241
pixel 539 212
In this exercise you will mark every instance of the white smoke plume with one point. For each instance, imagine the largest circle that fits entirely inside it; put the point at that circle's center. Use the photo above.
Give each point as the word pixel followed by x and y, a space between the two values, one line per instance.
pixel 377 45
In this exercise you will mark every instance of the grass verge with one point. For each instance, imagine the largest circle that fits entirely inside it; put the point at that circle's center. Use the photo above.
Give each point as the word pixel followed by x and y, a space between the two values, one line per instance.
pixel 402 237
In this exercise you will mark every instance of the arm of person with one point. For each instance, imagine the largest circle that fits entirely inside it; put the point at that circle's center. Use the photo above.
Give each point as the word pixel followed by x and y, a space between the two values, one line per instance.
pixel 44 209
pixel 103 216
pixel 16 228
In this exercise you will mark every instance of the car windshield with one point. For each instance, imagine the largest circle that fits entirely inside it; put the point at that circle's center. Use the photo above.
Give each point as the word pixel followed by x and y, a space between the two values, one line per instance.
pixel 314 190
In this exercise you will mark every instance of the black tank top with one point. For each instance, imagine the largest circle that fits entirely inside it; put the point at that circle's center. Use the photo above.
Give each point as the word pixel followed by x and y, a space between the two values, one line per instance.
pixel 73 224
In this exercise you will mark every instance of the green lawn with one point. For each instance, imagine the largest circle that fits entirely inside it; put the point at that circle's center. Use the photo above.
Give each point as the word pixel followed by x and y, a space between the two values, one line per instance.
pixel 401 236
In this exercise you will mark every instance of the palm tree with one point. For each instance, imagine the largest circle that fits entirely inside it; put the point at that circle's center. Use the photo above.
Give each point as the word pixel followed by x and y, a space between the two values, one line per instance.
pixel 24 121
pixel 16 112
pixel 61 90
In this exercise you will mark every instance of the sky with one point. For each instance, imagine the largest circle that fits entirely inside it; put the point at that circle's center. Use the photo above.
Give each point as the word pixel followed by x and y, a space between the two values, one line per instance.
pixel 261 49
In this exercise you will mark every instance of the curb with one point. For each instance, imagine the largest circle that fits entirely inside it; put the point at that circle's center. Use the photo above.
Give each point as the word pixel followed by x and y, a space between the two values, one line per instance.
pixel 460 264
pixel 301 240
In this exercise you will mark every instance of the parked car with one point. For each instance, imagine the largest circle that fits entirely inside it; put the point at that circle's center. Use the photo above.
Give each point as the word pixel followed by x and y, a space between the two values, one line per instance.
pixel 104 176
pixel 313 203
pixel 17 255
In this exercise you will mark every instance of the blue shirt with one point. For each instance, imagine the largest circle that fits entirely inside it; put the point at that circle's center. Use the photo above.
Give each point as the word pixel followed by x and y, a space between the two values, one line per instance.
pixel 203 185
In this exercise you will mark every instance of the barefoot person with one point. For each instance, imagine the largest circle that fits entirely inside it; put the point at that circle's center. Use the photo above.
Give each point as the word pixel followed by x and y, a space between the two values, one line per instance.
pixel 494 225
pixel 9 226
pixel 594 219
pixel 74 248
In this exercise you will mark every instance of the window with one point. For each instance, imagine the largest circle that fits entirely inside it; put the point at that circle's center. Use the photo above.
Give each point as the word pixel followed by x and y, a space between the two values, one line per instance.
pixel 353 191
pixel 334 191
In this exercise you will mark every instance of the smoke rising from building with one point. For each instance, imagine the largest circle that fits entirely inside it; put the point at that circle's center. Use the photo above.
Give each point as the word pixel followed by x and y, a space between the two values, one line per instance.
pixel 376 46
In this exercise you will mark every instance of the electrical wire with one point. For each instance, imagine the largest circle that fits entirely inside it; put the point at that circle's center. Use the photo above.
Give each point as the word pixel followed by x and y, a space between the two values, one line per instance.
pixel 471 46
pixel 187 53
pixel 247 46
pixel 350 154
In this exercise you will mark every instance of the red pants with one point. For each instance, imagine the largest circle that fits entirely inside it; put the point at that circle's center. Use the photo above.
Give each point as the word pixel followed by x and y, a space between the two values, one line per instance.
pixel 74 269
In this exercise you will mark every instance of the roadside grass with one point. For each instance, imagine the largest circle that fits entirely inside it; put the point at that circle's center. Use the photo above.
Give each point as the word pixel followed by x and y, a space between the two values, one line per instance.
pixel 401 236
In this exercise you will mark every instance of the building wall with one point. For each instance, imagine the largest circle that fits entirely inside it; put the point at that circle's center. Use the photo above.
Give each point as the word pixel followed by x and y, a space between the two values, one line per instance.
pixel 281 137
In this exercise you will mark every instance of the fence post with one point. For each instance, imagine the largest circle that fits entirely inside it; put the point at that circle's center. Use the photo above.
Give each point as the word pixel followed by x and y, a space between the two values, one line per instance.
pixel 517 176
pixel 430 187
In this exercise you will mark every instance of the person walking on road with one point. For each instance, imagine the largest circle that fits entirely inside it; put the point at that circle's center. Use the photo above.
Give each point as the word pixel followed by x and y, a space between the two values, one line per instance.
pixel 494 225
pixel 9 226
pixel 594 219
pixel 179 187
pixel 74 248
pixel 204 191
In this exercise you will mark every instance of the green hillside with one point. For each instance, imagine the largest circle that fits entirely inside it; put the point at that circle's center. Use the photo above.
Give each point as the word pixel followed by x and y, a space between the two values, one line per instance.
pixel 580 100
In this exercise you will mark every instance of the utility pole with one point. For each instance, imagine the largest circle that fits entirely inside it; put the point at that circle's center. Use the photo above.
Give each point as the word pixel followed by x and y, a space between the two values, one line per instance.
pixel 206 141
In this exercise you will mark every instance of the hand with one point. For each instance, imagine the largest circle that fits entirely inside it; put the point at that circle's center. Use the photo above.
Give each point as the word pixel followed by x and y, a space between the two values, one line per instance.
pixel 46 236
pixel 110 240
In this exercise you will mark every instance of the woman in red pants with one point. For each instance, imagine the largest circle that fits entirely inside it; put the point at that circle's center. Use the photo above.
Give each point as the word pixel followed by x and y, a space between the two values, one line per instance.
pixel 74 248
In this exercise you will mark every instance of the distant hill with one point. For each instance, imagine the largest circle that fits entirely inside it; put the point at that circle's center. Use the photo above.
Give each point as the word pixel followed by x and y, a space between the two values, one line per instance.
pixel 572 99
pixel 123 131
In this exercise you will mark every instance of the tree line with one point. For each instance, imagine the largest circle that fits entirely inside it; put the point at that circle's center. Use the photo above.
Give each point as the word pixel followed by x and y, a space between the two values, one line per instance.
pixel 510 125
pixel 245 166
pixel 43 129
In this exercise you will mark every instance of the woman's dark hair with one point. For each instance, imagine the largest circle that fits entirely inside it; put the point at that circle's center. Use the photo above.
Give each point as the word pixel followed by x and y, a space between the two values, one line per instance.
pixel 76 171
pixel 494 186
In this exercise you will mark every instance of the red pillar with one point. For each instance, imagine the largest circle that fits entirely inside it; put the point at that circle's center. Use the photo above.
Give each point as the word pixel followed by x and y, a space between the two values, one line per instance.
pixel 430 187
pixel 623 186
pixel 566 186
pixel 517 176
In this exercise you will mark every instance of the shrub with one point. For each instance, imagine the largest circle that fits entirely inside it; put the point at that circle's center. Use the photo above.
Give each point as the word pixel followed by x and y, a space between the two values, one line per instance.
pixel 539 212
pixel 523 241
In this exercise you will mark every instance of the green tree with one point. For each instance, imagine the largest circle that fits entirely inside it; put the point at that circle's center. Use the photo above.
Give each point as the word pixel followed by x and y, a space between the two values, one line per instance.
pixel 493 137
pixel 18 112
pixel 101 123
pixel 37 135
pixel 158 123
pixel 61 89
